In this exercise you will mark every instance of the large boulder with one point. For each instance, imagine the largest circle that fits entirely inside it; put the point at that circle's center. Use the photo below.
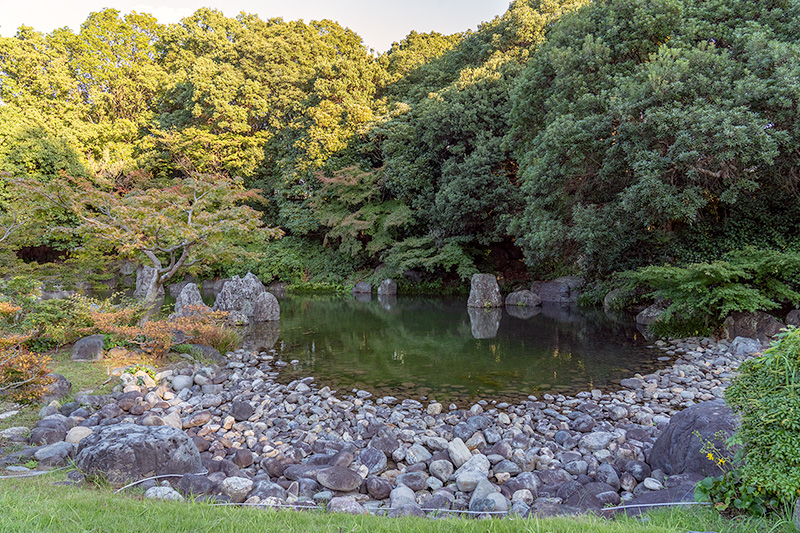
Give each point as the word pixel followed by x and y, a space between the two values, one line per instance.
pixel 88 348
pixel 58 387
pixel 144 277
pixel 755 325
pixel 561 290
pixel 242 298
pixel 484 292
pixel 651 314
pixel 362 287
pixel 266 309
pixel 677 450
pixel 189 302
pixel 523 299
pixel 793 318
pixel 121 453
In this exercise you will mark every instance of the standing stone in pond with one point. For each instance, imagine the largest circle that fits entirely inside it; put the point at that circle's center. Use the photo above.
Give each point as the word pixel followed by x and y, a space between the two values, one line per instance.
pixel 484 322
pixel 189 302
pixel 484 292
pixel 387 287
pixel 266 308
pixel 242 298
pixel 362 287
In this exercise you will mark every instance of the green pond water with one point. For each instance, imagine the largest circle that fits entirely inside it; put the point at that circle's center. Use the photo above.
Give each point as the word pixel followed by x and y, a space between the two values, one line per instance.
pixel 412 347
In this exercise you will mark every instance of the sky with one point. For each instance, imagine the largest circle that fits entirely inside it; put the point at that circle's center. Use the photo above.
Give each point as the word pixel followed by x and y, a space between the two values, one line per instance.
pixel 378 22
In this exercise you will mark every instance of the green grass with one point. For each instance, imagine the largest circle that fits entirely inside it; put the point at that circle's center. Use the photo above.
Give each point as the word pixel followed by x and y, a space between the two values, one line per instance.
pixel 35 504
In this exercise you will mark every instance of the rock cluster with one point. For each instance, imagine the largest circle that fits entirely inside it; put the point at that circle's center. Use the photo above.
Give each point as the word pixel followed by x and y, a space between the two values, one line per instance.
pixel 272 444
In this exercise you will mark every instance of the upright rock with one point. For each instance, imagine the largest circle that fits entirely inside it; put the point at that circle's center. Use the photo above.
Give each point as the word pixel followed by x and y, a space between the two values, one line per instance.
pixel 144 277
pixel 484 322
pixel 189 302
pixel 484 292
pixel 362 287
pixel 244 299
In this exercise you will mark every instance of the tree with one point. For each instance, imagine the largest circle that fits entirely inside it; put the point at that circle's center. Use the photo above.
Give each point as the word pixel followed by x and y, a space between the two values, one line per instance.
pixel 199 218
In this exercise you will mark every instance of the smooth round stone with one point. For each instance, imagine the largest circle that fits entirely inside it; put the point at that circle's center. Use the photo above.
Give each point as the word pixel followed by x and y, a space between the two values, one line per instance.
pixel 163 493
pixel 441 469
pixel 339 478
pixel 467 481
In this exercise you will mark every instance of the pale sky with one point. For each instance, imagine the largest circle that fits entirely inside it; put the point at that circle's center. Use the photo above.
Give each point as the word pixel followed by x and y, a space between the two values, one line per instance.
pixel 378 22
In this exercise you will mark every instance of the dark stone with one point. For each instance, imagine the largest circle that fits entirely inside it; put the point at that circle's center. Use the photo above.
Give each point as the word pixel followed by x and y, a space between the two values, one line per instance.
pixel 583 424
pixel 126 452
pixel 88 349
pixel 523 299
pixel 562 290
pixel 201 443
pixel 195 484
pixel 374 460
pixel 241 410
pixel 408 509
pixel 362 287
pixel 413 480
pixel 46 435
pixel 638 469
pixel 207 352
pixel 651 314
pixel 343 458
pixel 267 489
pixel 384 441
pixel 608 474
pixel 378 488
pixel 755 325
pixel 58 388
pixel 273 467
pixel 677 450
pixel 338 478
pixel 243 458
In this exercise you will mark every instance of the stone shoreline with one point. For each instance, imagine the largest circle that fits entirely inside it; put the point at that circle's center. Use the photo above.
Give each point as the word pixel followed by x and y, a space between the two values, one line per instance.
pixel 270 444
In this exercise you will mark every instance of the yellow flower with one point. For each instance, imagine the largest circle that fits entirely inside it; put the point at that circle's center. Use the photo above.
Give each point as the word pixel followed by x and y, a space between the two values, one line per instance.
pixel 710 456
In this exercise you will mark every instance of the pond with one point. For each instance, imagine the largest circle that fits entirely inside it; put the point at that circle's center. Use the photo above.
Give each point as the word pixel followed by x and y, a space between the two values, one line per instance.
pixel 411 347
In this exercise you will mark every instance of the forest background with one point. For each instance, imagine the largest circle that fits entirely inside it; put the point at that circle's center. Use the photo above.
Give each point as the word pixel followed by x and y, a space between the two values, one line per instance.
pixel 563 137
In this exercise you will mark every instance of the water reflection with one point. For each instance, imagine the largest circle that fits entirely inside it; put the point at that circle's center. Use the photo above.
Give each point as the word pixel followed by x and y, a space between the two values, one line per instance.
pixel 484 322
pixel 436 347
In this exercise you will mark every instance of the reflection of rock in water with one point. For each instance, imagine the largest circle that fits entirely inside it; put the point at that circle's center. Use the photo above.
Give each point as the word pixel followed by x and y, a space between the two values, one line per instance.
pixel 484 322
pixel 387 301
pixel 523 312
pixel 646 333
pixel 563 312
pixel 363 297
pixel 262 336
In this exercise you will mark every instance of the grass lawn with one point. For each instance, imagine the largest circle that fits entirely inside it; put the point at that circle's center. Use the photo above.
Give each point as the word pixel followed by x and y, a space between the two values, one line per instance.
pixel 36 504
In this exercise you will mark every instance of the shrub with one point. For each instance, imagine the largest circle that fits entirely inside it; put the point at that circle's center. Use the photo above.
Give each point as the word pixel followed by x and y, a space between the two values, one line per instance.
pixel 23 375
pixel 701 295
pixel 766 394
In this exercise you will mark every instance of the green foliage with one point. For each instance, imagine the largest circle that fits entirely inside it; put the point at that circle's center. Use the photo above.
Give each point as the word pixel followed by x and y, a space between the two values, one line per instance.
pixel 138 367
pixel 732 496
pixel 701 295
pixel 766 394
pixel 646 131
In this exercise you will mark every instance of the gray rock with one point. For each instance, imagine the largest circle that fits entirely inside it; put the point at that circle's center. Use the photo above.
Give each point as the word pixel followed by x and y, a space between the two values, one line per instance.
pixel 677 449
pixel 402 495
pixel 122 453
pixel 345 504
pixel 88 349
pixel 239 296
pixel 181 382
pixel 523 299
pixel 195 484
pixel 599 440
pixel 374 460
pixel 441 469
pixel 236 488
pixel 609 301
pixel 754 325
pixel 651 314
pixel 56 454
pixel 378 488
pixel 413 480
pixel 362 287
pixel 484 292
pixel 267 489
pixel 506 467
pixel 58 388
pixel 189 302
pixel 384 441
pixel 417 454
pixel 144 277
pixel 163 493
pixel 561 290
pixel 796 514
pixel 468 480
pixel 339 478
pixel 241 410
pixel 387 288
pixel 266 308
pixel 793 319
pixel 742 346
pixel 406 510
pixel 458 451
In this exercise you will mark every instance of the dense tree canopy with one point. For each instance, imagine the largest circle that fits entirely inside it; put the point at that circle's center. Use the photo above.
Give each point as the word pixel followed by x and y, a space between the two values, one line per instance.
pixel 589 136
